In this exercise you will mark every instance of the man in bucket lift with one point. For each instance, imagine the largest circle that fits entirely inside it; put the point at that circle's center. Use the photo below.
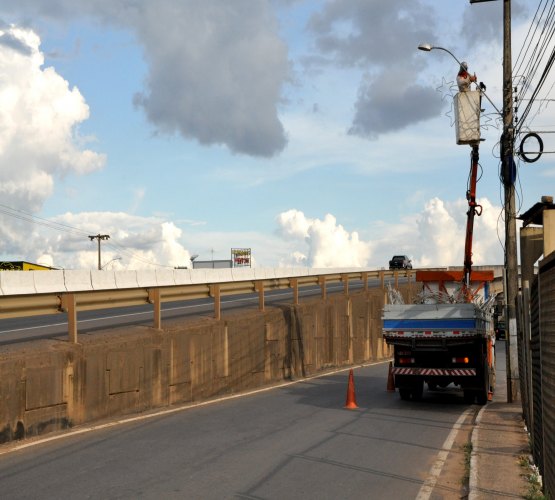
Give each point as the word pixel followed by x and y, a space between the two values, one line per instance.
pixel 464 79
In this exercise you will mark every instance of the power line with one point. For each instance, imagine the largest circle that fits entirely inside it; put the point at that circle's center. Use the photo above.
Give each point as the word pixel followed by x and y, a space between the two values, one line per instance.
pixel 66 228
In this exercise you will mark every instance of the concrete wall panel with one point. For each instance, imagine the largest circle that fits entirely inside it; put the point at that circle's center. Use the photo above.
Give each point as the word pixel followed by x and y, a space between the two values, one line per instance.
pixel 103 280
pixel 48 281
pixel 147 278
pixel 77 280
pixel 17 282
pixel 165 277
pixel 182 276
pixel 44 385
pixel 126 279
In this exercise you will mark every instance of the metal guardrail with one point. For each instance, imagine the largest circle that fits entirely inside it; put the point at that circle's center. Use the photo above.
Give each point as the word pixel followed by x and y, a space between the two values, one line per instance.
pixel 74 302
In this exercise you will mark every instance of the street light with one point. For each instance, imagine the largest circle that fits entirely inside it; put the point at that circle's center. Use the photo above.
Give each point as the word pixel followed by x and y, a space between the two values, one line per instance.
pixel 112 260
pixel 426 47
pixel 473 207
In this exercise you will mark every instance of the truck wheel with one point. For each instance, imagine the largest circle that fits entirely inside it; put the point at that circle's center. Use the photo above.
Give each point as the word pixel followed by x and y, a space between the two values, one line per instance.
pixel 469 396
pixel 482 395
pixel 417 390
pixel 405 392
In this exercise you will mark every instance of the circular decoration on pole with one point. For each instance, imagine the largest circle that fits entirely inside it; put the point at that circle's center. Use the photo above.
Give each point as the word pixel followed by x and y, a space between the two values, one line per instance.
pixel 532 159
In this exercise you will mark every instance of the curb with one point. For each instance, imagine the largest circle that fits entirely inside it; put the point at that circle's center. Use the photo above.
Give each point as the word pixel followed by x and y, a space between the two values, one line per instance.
pixel 473 493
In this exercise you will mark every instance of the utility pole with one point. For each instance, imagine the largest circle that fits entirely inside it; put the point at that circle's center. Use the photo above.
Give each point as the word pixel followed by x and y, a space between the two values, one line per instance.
pixel 99 237
pixel 508 170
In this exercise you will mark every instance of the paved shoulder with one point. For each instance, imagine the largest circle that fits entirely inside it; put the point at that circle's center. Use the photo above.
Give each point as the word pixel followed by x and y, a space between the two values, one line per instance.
pixel 499 440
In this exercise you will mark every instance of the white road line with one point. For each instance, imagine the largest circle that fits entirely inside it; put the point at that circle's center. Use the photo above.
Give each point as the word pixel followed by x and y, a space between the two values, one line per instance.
pixel 10 447
pixel 429 485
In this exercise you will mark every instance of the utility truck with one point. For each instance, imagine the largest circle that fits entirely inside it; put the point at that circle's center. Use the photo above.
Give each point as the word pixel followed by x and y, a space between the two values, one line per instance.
pixel 447 337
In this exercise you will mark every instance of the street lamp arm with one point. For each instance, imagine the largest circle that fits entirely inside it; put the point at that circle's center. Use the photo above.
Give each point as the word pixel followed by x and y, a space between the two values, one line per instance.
pixel 426 47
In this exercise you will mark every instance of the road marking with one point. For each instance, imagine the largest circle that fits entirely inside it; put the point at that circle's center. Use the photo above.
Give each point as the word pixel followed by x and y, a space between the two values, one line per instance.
pixel 10 447
pixel 429 485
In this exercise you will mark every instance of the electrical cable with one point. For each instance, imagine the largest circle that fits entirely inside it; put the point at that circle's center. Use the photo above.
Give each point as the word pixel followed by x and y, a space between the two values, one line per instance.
pixel 66 228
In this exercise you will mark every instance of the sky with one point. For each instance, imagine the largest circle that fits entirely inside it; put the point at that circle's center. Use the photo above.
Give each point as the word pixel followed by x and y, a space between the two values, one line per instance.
pixel 311 131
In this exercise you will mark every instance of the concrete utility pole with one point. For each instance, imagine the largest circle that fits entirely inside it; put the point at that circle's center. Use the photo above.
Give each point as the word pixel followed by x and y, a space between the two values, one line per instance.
pixel 99 237
pixel 508 175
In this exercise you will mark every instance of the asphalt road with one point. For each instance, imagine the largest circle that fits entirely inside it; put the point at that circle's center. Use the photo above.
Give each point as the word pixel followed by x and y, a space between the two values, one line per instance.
pixel 294 441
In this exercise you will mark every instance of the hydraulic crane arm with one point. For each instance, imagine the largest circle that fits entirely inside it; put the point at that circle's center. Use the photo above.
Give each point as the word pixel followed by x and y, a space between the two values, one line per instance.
pixel 473 209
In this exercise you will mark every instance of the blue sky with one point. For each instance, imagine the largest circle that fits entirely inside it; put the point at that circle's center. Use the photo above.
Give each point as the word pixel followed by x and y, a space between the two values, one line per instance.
pixel 313 132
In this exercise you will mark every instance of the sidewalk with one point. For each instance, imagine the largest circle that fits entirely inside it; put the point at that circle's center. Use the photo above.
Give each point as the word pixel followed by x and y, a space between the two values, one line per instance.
pixel 499 440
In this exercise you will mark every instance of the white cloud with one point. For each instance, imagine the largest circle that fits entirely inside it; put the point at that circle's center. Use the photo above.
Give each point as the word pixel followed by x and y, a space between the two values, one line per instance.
pixel 215 68
pixel 433 237
pixel 141 242
pixel 329 244
pixel 39 114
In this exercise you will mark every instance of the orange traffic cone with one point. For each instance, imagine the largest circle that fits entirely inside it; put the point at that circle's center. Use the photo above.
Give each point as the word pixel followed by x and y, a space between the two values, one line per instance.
pixel 390 379
pixel 351 402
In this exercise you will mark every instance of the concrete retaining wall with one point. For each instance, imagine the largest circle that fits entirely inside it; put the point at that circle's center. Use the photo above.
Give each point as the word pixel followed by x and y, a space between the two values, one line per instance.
pixel 49 385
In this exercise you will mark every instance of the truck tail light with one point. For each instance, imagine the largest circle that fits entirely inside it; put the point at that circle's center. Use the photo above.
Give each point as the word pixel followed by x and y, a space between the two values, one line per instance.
pixel 406 361
pixel 460 361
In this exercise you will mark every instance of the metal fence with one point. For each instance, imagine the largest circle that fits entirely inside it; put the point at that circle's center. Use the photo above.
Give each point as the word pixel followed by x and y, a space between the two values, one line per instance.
pixel 537 364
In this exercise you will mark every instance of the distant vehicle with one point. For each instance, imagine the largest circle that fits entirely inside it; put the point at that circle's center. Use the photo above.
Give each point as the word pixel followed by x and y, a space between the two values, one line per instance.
pixel 400 262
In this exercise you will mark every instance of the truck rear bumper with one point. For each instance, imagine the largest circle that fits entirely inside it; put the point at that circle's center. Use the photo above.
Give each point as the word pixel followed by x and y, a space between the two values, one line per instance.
pixel 439 372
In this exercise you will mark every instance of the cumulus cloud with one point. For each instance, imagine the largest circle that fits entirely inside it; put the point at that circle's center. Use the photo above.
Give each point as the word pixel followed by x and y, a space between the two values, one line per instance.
pixel 135 242
pixel 435 236
pixel 215 68
pixel 484 22
pixel 329 244
pixel 384 105
pixel 39 114
pixel 215 73
pixel 371 34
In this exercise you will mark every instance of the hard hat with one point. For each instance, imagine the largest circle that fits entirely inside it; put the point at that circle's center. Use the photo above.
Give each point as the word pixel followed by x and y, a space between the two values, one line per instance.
pixel 464 65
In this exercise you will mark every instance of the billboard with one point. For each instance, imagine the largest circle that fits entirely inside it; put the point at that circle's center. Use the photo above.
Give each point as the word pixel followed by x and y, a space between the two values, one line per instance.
pixel 241 257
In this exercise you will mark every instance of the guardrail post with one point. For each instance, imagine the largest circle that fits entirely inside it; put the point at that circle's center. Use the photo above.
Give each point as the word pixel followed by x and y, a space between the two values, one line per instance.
pixel 154 299
pixel 215 292
pixel 345 280
pixel 69 306
pixel 260 287
pixel 409 282
pixel 382 279
pixel 396 278
pixel 365 280
pixel 322 282
pixel 294 283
